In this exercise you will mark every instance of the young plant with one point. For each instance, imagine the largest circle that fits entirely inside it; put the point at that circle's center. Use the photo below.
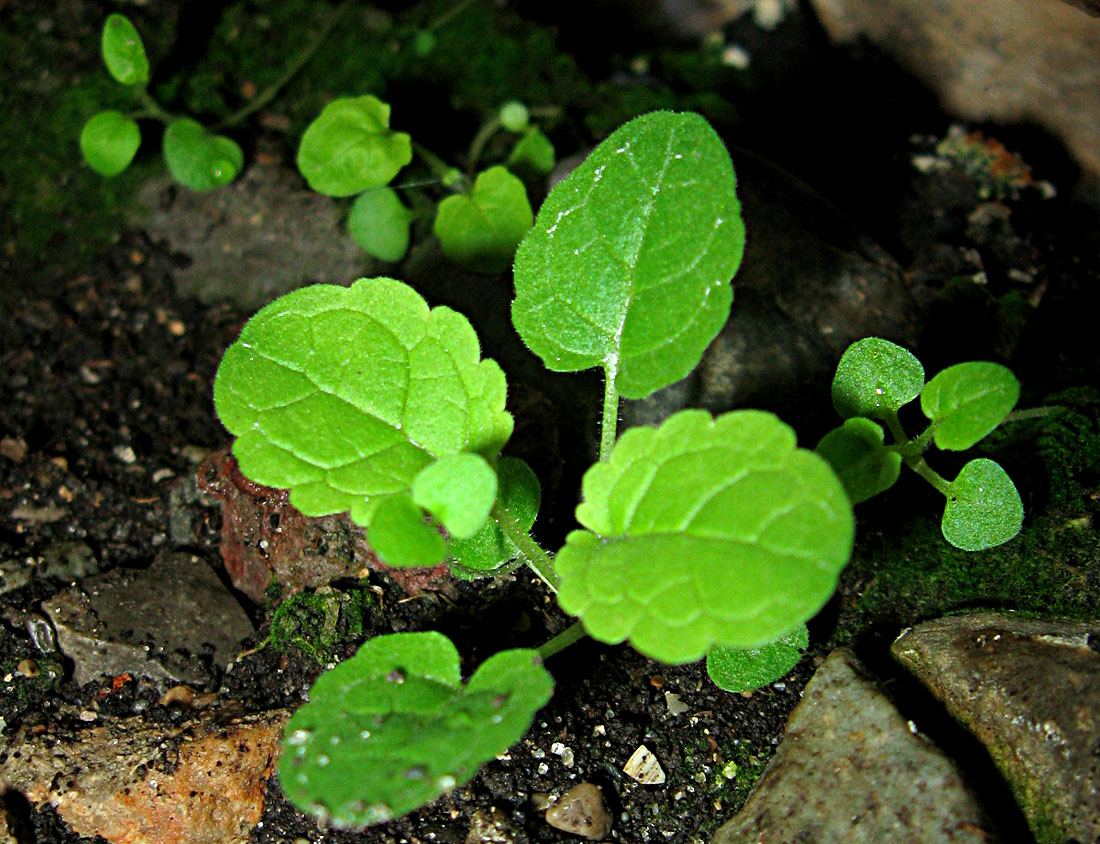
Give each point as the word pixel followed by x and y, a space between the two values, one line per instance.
pixel 707 536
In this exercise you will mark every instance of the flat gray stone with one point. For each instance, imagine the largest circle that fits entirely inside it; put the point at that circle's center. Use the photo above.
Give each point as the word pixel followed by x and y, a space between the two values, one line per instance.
pixel 174 621
pixel 1030 692
pixel 850 770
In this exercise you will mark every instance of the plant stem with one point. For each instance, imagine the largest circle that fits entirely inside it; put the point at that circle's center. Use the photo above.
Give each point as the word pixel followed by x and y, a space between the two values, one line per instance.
pixel 452 12
pixel 918 465
pixel 153 108
pixel 573 633
pixel 437 164
pixel 1032 413
pixel 610 412
pixel 538 560
pixel 477 145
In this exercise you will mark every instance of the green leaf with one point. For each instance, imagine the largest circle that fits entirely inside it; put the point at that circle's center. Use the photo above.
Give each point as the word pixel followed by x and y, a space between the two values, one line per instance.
pixel 489 548
pixel 459 490
pixel 109 142
pixel 875 378
pixel 983 507
pixel 481 231
pixel 744 669
pixel 533 155
pixel 198 159
pixel 350 148
pixel 393 728
pixel 401 536
pixel 343 395
pixel 380 223
pixel 629 262
pixel 123 52
pixel 967 401
pixel 703 532
pixel 514 116
pixel 856 452
pixel 424 43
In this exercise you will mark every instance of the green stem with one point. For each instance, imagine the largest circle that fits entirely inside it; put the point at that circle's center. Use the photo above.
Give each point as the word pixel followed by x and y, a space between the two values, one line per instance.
pixel 573 633
pixel 535 557
pixel 437 164
pixel 152 108
pixel 477 145
pixel 452 12
pixel 918 465
pixel 1032 413
pixel 610 413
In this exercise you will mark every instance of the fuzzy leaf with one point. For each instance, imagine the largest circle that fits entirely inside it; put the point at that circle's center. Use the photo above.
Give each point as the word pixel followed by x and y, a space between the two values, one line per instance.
pixel 856 452
pixel 983 507
pixel 744 669
pixel 628 265
pixel 481 231
pixel 533 155
pixel 875 377
pixel 379 222
pixel 109 142
pixel 393 728
pixel 703 532
pixel 350 147
pixel 489 548
pixel 343 395
pixel 459 490
pixel 401 536
pixel 198 159
pixel 967 401
pixel 124 52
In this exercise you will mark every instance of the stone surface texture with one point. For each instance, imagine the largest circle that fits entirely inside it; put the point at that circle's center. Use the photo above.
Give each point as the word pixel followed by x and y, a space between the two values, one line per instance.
pixel 581 811
pixel 850 770
pixel 1030 692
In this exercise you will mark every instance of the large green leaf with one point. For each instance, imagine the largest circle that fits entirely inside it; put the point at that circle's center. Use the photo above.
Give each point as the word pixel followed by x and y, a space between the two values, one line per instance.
pixel 199 159
pixel 875 378
pixel 481 231
pixel 393 728
pixel 983 507
pixel 109 142
pixel 629 262
pixel 124 52
pixel 350 147
pixel 703 532
pixel 343 395
pixel 967 401
pixel 743 669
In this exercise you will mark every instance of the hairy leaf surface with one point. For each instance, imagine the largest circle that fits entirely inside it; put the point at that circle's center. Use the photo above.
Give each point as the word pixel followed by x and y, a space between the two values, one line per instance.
pixel 109 142
pixel 967 401
pixel 488 549
pixel 744 669
pixel 856 452
pixel 124 52
pixel 198 159
pixel 983 507
pixel 481 231
pixel 875 377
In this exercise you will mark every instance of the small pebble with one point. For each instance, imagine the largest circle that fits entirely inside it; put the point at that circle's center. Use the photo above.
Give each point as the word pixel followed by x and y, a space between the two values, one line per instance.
pixel 581 811
pixel 125 453
pixel 28 668
pixel 643 767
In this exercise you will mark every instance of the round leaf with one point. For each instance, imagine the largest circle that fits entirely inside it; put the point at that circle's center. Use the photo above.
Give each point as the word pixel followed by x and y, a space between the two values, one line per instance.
pixel 343 395
pixel 198 159
pixel 393 728
pixel 874 378
pixel 459 490
pixel 514 116
pixel 744 669
pixel 856 452
pixel 533 155
pixel 481 231
pixel 983 507
pixel 400 535
pixel 350 148
pixel 967 401
pixel 109 142
pixel 123 52
pixel 489 548
pixel 628 265
pixel 379 222
pixel 703 532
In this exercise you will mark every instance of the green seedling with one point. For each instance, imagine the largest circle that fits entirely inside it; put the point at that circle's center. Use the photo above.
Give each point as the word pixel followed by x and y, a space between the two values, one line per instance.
pixel 708 536
pixel 964 403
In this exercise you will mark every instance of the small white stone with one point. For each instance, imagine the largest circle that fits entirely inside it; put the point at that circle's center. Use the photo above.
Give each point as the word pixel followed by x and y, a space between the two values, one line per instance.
pixel 643 767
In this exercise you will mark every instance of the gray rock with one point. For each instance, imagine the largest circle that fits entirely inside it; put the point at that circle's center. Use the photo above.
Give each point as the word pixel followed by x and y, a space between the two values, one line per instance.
pixel 174 620
pixel 851 770
pixel 1030 691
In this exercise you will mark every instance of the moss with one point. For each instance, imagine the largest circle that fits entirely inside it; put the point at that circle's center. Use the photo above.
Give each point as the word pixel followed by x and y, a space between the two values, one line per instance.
pixel 314 622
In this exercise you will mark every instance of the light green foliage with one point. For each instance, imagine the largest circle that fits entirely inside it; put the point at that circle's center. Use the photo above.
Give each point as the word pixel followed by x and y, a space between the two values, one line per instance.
pixel 393 727
pixel 514 116
pixel 402 536
pixel 861 460
pixel 343 395
pixel 424 43
pixel 967 401
pixel 481 231
pixel 705 531
pixel 629 263
pixel 743 669
pixel 520 495
pixel 124 52
pixel 350 147
pixel 875 377
pixel 533 156
pixel 983 507
pixel 379 222
pixel 109 142
pixel 199 159
pixel 459 490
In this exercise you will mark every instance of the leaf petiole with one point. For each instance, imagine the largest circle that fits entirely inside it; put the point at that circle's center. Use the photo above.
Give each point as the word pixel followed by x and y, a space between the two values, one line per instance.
pixel 573 633
pixel 533 554
pixel 609 425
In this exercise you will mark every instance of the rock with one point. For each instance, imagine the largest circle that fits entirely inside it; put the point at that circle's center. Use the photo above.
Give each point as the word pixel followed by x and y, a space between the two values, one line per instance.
pixel 850 770
pixel 643 767
pixel 174 620
pixel 1030 692
pixel 490 827
pixel 1014 62
pixel 64 561
pixel 581 811
pixel 137 783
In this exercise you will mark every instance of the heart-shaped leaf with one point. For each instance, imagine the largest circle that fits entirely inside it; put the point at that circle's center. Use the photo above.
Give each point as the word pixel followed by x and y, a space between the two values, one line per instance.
pixel 481 231
pixel 874 378
pixel 124 52
pixel 489 548
pixel 856 452
pixel 703 532
pixel 459 490
pixel 393 728
pixel 350 147
pixel 198 159
pixel 109 142
pixel 343 395
pixel 379 222
pixel 533 155
pixel 744 669
pixel 983 507
pixel 967 401
pixel 629 262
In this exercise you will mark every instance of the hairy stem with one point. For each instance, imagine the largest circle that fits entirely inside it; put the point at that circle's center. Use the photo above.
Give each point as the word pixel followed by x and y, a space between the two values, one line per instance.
pixel 535 557
pixel 610 413
pixel 573 633
pixel 1032 413
pixel 918 465
pixel 151 108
